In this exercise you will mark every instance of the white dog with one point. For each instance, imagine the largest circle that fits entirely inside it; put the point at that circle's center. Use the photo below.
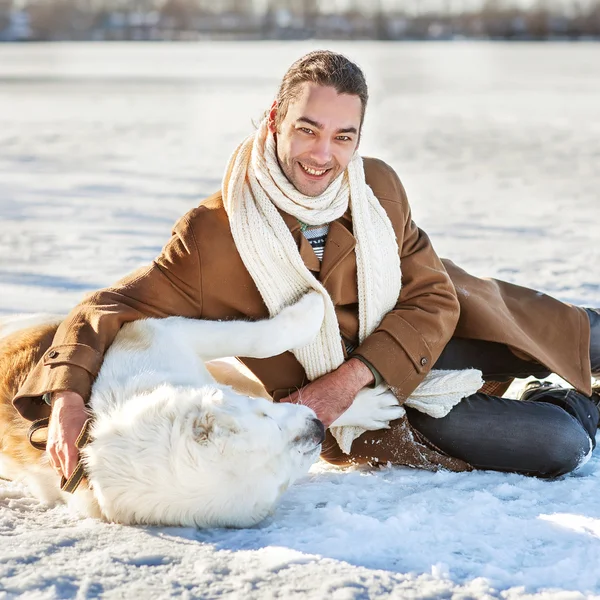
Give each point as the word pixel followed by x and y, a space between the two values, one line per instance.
pixel 171 446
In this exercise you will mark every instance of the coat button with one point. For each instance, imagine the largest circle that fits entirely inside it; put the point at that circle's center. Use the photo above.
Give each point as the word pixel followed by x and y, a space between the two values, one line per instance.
pixel 424 361
pixel 52 354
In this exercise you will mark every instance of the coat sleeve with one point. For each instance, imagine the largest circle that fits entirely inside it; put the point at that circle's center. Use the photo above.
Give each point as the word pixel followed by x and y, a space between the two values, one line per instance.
pixel 170 285
pixel 411 337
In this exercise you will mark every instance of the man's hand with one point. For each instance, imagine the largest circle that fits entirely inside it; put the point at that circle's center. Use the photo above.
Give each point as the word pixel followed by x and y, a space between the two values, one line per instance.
pixel 331 395
pixel 67 419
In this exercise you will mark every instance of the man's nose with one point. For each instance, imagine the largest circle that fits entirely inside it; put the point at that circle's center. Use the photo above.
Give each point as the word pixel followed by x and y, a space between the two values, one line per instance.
pixel 321 152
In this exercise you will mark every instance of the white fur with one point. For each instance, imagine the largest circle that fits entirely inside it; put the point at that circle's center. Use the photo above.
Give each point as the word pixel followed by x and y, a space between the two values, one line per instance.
pixel 171 446
pixel 372 409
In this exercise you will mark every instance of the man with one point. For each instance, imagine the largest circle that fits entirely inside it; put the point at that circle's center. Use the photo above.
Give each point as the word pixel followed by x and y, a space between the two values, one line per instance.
pixel 300 210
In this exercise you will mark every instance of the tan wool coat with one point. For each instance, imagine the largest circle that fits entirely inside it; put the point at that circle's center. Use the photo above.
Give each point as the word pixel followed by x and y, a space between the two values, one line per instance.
pixel 199 274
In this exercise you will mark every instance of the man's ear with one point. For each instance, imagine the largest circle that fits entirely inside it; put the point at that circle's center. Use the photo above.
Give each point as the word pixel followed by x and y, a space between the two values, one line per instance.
pixel 271 117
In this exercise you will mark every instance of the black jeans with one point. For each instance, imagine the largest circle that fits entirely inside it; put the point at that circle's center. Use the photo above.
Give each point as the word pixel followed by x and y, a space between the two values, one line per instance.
pixel 547 436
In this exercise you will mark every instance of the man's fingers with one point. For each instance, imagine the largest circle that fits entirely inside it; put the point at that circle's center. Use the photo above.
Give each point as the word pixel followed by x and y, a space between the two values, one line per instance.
pixel 68 455
pixel 67 419
pixel 53 456
pixel 71 458
pixel 62 460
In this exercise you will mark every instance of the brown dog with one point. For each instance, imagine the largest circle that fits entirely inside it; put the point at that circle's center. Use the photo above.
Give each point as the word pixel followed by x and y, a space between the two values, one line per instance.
pixel 19 352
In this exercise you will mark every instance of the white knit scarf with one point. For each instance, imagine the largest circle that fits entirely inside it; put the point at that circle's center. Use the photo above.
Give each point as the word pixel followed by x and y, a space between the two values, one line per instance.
pixel 254 187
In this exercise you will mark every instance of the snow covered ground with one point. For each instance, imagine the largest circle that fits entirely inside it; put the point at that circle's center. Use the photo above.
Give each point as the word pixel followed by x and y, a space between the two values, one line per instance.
pixel 103 147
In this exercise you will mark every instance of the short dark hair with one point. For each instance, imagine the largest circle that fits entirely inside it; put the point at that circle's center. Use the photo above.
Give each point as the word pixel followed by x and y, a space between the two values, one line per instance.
pixel 325 68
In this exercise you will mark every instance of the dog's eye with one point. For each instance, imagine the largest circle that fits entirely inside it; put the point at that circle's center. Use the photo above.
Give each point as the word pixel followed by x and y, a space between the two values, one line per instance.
pixel 264 414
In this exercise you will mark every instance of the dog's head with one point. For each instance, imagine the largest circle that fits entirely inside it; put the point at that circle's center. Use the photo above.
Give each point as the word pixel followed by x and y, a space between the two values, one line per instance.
pixel 205 457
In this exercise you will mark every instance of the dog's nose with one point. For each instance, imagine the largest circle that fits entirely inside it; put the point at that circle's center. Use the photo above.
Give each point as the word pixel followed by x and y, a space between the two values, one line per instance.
pixel 318 430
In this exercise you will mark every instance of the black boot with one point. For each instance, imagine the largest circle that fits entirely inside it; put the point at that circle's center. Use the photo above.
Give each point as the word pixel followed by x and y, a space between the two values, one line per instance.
pixel 586 409
pixel 536 388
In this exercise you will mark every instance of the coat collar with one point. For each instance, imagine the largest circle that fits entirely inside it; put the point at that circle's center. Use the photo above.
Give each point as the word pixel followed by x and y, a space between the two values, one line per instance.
pixel 340 242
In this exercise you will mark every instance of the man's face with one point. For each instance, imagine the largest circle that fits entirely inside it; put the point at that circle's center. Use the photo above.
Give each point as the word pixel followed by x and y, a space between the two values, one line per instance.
pixel 317 137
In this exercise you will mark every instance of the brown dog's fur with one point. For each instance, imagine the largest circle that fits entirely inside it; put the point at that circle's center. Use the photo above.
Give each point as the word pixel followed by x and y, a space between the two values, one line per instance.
pixel 237 376
pixel 19 352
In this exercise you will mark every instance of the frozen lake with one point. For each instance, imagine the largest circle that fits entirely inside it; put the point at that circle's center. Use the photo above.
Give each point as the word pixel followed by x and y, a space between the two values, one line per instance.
pixel 497 145
pixel 103 147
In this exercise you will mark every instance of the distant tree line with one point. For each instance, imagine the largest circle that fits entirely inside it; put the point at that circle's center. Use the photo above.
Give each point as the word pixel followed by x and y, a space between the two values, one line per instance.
pixel 294 19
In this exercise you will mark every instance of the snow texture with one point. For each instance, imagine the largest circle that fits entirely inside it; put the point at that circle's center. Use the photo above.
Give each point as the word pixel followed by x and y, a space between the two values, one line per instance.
pixel 103 147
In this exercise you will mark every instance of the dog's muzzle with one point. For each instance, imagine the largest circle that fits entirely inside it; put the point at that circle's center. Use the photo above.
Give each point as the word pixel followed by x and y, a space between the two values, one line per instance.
pixel 314 436
pixel 319 432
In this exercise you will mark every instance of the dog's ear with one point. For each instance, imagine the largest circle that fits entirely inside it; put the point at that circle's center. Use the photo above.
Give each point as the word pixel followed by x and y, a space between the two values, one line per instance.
pixel 203 427
pixel 214 425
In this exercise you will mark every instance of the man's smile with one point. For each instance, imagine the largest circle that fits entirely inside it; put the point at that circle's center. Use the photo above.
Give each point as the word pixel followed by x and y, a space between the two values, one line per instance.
pixel 312 172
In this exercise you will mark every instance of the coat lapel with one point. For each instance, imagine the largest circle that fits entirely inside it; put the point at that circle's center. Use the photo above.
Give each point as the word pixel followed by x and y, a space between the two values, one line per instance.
pixel 306 252
pixel 340 243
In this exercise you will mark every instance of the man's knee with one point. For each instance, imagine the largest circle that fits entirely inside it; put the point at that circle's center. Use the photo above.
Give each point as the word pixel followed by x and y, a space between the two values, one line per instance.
pixel 565 447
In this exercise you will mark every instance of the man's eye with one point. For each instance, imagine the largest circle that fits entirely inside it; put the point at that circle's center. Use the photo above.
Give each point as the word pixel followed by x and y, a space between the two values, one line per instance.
pixel 344 138
pixel 306 130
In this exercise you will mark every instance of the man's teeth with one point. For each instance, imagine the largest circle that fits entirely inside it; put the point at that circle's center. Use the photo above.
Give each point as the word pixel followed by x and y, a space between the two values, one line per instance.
pixel 313 171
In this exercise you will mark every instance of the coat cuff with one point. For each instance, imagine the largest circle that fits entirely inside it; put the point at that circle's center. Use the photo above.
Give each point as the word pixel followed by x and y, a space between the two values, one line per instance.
pixel 402 369
pixel 377 378
pixel 47 379
pixel 78 355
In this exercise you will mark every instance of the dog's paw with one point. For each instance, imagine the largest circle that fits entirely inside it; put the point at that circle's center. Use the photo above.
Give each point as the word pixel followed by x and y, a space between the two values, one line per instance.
pixel 372 409
pixel 301 322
